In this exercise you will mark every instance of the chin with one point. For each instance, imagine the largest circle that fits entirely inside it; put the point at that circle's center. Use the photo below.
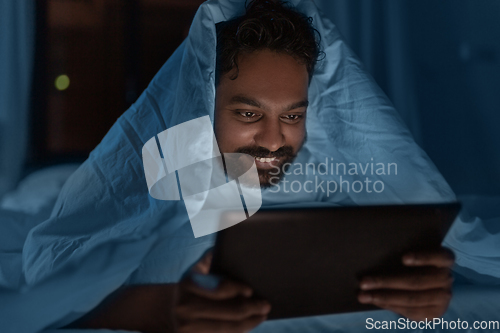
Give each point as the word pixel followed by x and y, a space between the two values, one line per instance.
pixel 264 185
pixel 267 181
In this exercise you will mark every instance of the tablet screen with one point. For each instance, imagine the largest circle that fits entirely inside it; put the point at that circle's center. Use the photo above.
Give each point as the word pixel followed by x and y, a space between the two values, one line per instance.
pixel 308 262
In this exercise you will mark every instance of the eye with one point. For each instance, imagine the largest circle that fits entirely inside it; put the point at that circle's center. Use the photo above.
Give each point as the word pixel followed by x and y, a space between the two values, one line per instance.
pixel 249 116
pixel 292 118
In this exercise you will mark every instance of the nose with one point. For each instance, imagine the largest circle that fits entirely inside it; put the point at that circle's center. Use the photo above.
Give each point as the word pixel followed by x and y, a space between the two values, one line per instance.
pixel 270 135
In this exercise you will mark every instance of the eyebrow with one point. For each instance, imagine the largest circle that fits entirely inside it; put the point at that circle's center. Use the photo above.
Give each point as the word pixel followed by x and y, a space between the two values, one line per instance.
pixel 245 100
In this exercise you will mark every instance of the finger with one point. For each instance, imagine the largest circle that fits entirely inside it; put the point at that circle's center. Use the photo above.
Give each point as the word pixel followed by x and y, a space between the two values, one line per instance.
pixel 440 258
pixel 216 326
pixel 420 313
pixel 225 290
pixel 385 298
pixel 203 265
pixel 419 279
pixel 195 307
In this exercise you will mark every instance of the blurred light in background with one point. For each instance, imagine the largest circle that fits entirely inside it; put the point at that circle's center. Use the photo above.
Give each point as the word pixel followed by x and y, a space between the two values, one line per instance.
pixel 62 82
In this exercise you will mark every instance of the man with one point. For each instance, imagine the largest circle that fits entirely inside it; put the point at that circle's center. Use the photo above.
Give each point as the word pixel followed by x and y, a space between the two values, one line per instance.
pixel 265 61
pixel 105 222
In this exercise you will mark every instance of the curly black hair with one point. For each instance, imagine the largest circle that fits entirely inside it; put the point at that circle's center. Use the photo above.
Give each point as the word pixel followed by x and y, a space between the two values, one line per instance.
pixel 267 24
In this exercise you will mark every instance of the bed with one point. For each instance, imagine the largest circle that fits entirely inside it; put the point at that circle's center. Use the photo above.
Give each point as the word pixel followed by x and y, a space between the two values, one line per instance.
pixel 476 294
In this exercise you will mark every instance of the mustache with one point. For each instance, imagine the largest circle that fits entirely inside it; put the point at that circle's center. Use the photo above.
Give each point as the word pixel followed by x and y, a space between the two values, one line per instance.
pixel 285 151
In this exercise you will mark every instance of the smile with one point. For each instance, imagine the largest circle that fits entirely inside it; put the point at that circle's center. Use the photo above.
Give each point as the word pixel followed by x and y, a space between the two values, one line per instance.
pixel 265 159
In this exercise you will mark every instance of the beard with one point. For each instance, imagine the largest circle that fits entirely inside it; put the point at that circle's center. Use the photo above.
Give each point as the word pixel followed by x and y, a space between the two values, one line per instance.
pixel 272 176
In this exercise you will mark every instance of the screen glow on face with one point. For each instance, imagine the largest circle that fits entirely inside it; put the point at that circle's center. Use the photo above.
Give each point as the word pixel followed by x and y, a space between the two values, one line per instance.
pixel 262 112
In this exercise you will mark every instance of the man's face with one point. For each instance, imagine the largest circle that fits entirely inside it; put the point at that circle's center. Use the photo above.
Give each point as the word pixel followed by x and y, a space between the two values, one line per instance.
pixel 262 112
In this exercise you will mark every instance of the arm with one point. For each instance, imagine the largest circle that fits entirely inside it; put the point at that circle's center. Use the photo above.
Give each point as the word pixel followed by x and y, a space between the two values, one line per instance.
pixel 144 308
pixel 182 307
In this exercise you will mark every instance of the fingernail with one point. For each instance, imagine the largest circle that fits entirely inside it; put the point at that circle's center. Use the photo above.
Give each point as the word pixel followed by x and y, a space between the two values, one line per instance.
pixel 248 292
pixel 266 308
pixel 367 283
pixel 409 259
pixel 365 298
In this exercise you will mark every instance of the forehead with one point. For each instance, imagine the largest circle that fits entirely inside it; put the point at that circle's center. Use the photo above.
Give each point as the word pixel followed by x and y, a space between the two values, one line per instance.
pixel 269 76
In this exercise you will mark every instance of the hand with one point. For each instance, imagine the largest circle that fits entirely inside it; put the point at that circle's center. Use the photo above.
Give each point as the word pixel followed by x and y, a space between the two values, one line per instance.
pixel 228 307
pixel 423 293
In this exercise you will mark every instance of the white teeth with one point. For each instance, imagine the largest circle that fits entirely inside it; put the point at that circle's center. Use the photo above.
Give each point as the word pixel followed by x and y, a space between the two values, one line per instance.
pixel 265 160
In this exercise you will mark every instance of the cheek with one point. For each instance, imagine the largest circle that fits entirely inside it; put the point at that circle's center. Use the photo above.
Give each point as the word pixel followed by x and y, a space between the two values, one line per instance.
pixel 232 134
pixel 295 135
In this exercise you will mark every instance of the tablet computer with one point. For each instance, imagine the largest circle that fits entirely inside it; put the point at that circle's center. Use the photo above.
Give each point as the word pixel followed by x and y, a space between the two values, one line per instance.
pixel 309 261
